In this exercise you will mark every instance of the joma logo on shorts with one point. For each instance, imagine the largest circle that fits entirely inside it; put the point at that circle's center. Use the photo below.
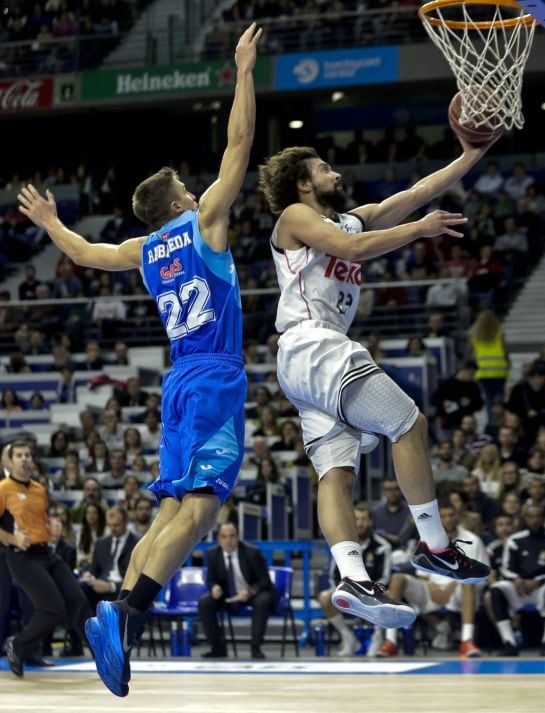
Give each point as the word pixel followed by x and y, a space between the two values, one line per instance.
pixel 343 271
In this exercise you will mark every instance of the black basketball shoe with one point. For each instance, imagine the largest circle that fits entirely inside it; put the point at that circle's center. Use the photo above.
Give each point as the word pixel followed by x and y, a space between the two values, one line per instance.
pixel 451 562
pixel 368 601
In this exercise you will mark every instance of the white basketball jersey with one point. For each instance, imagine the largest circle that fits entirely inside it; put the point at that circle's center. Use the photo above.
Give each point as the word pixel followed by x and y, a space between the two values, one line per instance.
pixel 316 285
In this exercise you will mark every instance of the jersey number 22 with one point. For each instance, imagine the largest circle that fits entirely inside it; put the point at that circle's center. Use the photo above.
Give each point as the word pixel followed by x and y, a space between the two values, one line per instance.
pixel 194 294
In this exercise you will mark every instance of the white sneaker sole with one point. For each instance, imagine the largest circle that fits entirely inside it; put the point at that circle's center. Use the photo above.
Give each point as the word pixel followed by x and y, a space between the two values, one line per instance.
pixel 388 616
pixel 451 575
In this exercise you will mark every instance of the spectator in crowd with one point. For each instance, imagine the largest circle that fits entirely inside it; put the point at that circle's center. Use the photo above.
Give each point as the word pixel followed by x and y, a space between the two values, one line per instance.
pixel 536 492
pixel 468 520
pixel 121 354
pixel 143 516
pixel 461 453
pixel 488 469
pixel 290 435
pixel 66 390
pixel 475 441
pixel 480 502
pixel 267 472
pixel 517 183
pixel 391 515
pixel 489 350
pixel 376 553
pixel 92 493
pixel 436 326
pixel 59 444
pixel 490 182
pixel 131 495
pixel 523 569
pixel 267 424
pixel 510 480
pixel 527 400
pixel 93 359
pixel 111 432
pixel 132 444
pixel 262 397
pixel 151 431
pixel 237 574
pixel 10 401
pixel 511 505
pixel 429 593
pixel 446 473
pixel 535 462
pixel 92 528
pixel 100 458
pixel 118 470
pixel 63 511
pixel 512 247
pixel 111 557
pixel 27 288
pixel 70 478
pixel 509 449
pixel 132 394
pixel 458 396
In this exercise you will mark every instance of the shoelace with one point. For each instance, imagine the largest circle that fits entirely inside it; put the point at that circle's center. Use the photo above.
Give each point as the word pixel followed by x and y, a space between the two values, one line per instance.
pixel 458 552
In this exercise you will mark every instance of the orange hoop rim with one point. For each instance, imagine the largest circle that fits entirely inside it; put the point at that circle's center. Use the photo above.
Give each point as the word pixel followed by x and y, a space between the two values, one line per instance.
pixel 424 13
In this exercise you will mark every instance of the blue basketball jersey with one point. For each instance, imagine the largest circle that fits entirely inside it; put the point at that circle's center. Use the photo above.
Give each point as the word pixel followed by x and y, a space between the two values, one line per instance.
pixel 195 288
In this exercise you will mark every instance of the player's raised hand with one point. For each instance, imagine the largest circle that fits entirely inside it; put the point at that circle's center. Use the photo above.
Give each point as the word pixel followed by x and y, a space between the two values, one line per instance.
pixel 246 51
pixel 39 210
pixel 440 222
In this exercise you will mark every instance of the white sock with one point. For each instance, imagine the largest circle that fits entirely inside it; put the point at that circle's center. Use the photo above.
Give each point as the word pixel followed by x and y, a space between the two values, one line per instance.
pixel 506 632
pixel 339 623
pixel 349 561
pixel 391 636
pixel 428 522
pixel 467 632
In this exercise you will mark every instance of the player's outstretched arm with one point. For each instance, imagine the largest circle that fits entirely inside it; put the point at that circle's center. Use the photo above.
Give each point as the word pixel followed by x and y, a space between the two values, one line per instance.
pixel 396 208
pixel 216 202
pixel 43 212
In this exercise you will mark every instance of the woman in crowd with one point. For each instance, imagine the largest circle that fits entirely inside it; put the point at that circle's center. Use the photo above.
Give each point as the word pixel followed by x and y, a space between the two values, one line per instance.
pixel 93 526
pixel 488 470
pixel 132 444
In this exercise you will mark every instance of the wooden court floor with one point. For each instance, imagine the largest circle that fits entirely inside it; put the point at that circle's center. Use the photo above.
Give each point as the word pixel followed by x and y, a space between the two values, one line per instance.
pixel 246 688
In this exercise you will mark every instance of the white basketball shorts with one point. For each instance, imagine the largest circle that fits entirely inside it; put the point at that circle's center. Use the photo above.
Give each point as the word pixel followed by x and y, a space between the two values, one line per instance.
pixel 315 363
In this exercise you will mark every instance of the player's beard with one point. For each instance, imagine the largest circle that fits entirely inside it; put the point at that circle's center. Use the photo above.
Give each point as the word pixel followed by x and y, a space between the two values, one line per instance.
pixel 335 199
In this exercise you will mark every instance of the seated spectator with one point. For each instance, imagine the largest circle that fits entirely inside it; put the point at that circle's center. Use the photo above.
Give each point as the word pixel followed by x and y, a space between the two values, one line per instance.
pixel 132 444
pixel 117 228
pixel 458 396
pixel 290 435
pixel 468 520
pixel 108 313
pixel 376 553
pixel 37 401
pixel 511 505
pixel 67 284
pixel 509 450
pixel 536 492
pixel 121 354
pixel 142 516
pixel 99 458
pixel 93 360
pixel 516 184
pixel 480 502
pixel 59 444
pixel 236 572
pixel 429 593
pixel 484 279
pixel 262 397
pixel 490 183
pixel 267 472
pixel 139 468
pixel 131 494
pixel 118 470
pixel 70 478
pixel 27 288
pixel 228 513
pixel 524 578
pixel 391 515
pixel 512 247
pixel 474 441
pixel 110 559
pixel 461 453
pixel 268 423
pixel 445 294
pixel 63 511
pixel 487 469
pixel 92 493
pixel 10 401
pixel 92 528
pixel 151 431
pixel 66 389
pixel 535 462
pixel 111 432
pixel 260 451
pixel 416 347
pixel 510 480
pixel 446 473
pixel 527 400
pixel 132 394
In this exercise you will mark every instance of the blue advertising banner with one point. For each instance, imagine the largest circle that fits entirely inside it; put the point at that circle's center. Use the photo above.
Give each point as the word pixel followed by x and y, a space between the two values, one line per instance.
pixel 337 68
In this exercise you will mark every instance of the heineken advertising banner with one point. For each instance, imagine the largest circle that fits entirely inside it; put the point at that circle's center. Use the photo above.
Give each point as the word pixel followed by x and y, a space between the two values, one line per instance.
pixel 202 77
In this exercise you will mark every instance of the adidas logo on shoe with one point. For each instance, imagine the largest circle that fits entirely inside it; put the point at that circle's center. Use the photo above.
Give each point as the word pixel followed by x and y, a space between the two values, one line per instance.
pixel 424 516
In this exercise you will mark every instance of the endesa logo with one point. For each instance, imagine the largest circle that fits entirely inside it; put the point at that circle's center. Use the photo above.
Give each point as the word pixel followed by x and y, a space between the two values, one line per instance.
pixel 168 273
pixel 343 271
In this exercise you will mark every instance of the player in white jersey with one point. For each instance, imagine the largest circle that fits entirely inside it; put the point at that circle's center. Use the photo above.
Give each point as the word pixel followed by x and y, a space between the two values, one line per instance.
pixel 343 397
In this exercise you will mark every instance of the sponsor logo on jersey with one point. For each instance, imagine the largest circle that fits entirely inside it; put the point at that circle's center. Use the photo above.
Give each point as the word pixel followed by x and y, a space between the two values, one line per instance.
pixel 169 272
pixel 162 250
pixel 164 236
pixel 343 271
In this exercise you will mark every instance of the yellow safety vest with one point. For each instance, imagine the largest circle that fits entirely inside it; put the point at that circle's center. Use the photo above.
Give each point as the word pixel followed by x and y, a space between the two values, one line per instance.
pixel 491 358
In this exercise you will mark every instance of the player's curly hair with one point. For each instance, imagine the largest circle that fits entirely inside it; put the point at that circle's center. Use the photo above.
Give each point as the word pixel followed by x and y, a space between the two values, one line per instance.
pixel 279 174
pixel 152 198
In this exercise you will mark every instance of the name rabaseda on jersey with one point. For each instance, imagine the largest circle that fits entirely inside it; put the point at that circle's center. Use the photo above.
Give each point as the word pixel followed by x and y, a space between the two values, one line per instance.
pixel 162 250
pixel 343 271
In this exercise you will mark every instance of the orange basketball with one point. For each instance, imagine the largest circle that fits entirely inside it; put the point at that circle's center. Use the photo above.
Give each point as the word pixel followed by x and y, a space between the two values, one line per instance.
pixel 476 135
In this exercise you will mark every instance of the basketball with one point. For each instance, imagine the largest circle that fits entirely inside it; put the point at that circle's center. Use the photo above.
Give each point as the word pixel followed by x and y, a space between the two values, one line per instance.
pixel 475 133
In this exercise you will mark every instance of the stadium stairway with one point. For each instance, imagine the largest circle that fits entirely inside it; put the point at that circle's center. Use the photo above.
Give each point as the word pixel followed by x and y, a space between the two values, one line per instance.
pixel 524 324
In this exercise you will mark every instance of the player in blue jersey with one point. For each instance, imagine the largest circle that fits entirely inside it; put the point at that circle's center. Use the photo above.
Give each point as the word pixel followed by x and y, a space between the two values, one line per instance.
pixel 188 269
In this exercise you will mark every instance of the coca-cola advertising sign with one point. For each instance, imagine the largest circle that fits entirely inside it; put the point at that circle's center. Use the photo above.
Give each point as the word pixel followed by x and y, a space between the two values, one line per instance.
pixel 26 94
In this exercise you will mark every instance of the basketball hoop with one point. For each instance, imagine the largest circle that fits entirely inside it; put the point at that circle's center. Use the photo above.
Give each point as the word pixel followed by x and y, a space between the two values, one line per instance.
pixel 486 43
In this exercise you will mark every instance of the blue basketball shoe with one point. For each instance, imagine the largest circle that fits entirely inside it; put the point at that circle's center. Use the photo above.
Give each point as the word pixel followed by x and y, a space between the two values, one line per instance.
pixel 95 637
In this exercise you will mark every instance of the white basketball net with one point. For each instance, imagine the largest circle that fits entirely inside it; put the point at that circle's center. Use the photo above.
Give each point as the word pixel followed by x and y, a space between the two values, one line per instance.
pixel 492 58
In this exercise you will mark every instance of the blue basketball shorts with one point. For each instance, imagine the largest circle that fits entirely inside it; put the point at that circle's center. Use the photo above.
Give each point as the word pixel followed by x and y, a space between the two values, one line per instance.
pixel 202 444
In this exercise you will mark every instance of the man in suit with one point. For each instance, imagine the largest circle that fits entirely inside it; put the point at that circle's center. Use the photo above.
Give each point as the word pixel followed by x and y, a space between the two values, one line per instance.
pixel 110 559
pixel 237 575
